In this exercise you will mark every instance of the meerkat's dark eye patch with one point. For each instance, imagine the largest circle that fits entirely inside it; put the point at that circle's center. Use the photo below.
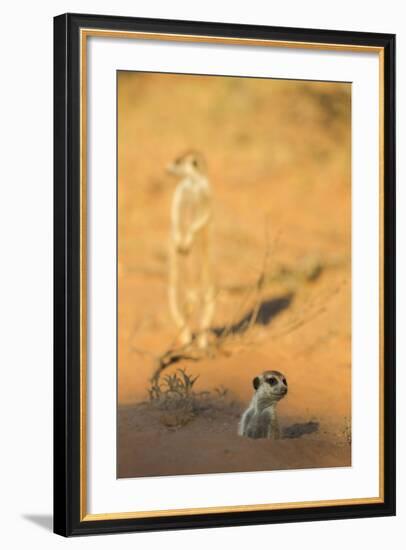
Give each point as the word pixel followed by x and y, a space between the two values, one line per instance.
pixel 284 381
pixel 272 381
pixel 195 163
pixel 256 382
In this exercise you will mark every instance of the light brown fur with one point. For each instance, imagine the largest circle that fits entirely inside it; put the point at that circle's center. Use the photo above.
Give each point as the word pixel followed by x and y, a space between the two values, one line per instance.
pixel 191 288
pixel 260 419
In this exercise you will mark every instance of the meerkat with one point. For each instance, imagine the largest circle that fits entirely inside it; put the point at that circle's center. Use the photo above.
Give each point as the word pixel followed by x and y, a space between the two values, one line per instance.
pixel 191 288
pixel 260 420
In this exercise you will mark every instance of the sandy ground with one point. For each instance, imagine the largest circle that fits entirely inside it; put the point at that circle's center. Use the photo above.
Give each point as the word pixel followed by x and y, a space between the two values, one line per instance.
pixel 209 444
pixel 279 157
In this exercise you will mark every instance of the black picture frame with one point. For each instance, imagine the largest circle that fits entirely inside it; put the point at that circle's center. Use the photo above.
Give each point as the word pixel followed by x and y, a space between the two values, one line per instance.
pixel 67 381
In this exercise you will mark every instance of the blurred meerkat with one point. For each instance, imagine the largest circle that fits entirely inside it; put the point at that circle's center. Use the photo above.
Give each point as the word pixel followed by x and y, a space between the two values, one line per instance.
pixel 191 288
pixel 260 420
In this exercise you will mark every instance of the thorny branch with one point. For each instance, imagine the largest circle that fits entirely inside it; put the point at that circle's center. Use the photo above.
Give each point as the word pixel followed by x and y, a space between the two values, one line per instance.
pixel 228 341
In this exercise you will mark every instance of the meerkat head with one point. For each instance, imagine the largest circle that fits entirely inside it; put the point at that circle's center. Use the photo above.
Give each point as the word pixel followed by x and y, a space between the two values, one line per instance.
pixel 191 163
pixel 271 385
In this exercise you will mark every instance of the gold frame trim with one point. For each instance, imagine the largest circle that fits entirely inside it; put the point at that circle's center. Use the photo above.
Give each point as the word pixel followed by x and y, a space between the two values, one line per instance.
pixel 84 34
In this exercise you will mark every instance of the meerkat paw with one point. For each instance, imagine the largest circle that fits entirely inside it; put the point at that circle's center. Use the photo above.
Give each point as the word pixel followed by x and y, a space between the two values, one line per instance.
pixel 202 340
pixel 185 337
pixel 182 249
pixel 184 245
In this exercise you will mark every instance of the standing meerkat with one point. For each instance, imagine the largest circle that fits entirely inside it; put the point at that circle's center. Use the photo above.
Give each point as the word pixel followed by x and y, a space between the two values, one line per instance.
pixel 191 288
pixel 260 419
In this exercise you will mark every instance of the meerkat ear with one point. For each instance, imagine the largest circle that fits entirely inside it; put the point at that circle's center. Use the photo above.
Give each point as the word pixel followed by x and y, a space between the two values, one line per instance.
pixel 256 382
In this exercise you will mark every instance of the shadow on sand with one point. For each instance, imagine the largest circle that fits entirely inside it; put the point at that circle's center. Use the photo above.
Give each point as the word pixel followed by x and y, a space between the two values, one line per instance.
pixel 297 430
pixel 267 311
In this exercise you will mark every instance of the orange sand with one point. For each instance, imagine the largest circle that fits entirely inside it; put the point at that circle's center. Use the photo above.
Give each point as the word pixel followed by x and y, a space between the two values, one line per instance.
pixel 276 151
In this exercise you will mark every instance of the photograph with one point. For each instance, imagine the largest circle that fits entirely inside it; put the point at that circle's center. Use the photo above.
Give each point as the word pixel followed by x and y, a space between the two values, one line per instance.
pixel 201 311
pixel 233 274
pixel 224 274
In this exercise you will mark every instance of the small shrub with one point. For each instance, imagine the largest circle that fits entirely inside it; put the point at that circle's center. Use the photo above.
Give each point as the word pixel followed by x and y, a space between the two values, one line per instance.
pixel 175 397
pixel 174 388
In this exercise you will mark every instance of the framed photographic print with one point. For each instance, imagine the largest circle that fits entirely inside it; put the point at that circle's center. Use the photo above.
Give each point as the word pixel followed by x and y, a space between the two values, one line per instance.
pixel 224 274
